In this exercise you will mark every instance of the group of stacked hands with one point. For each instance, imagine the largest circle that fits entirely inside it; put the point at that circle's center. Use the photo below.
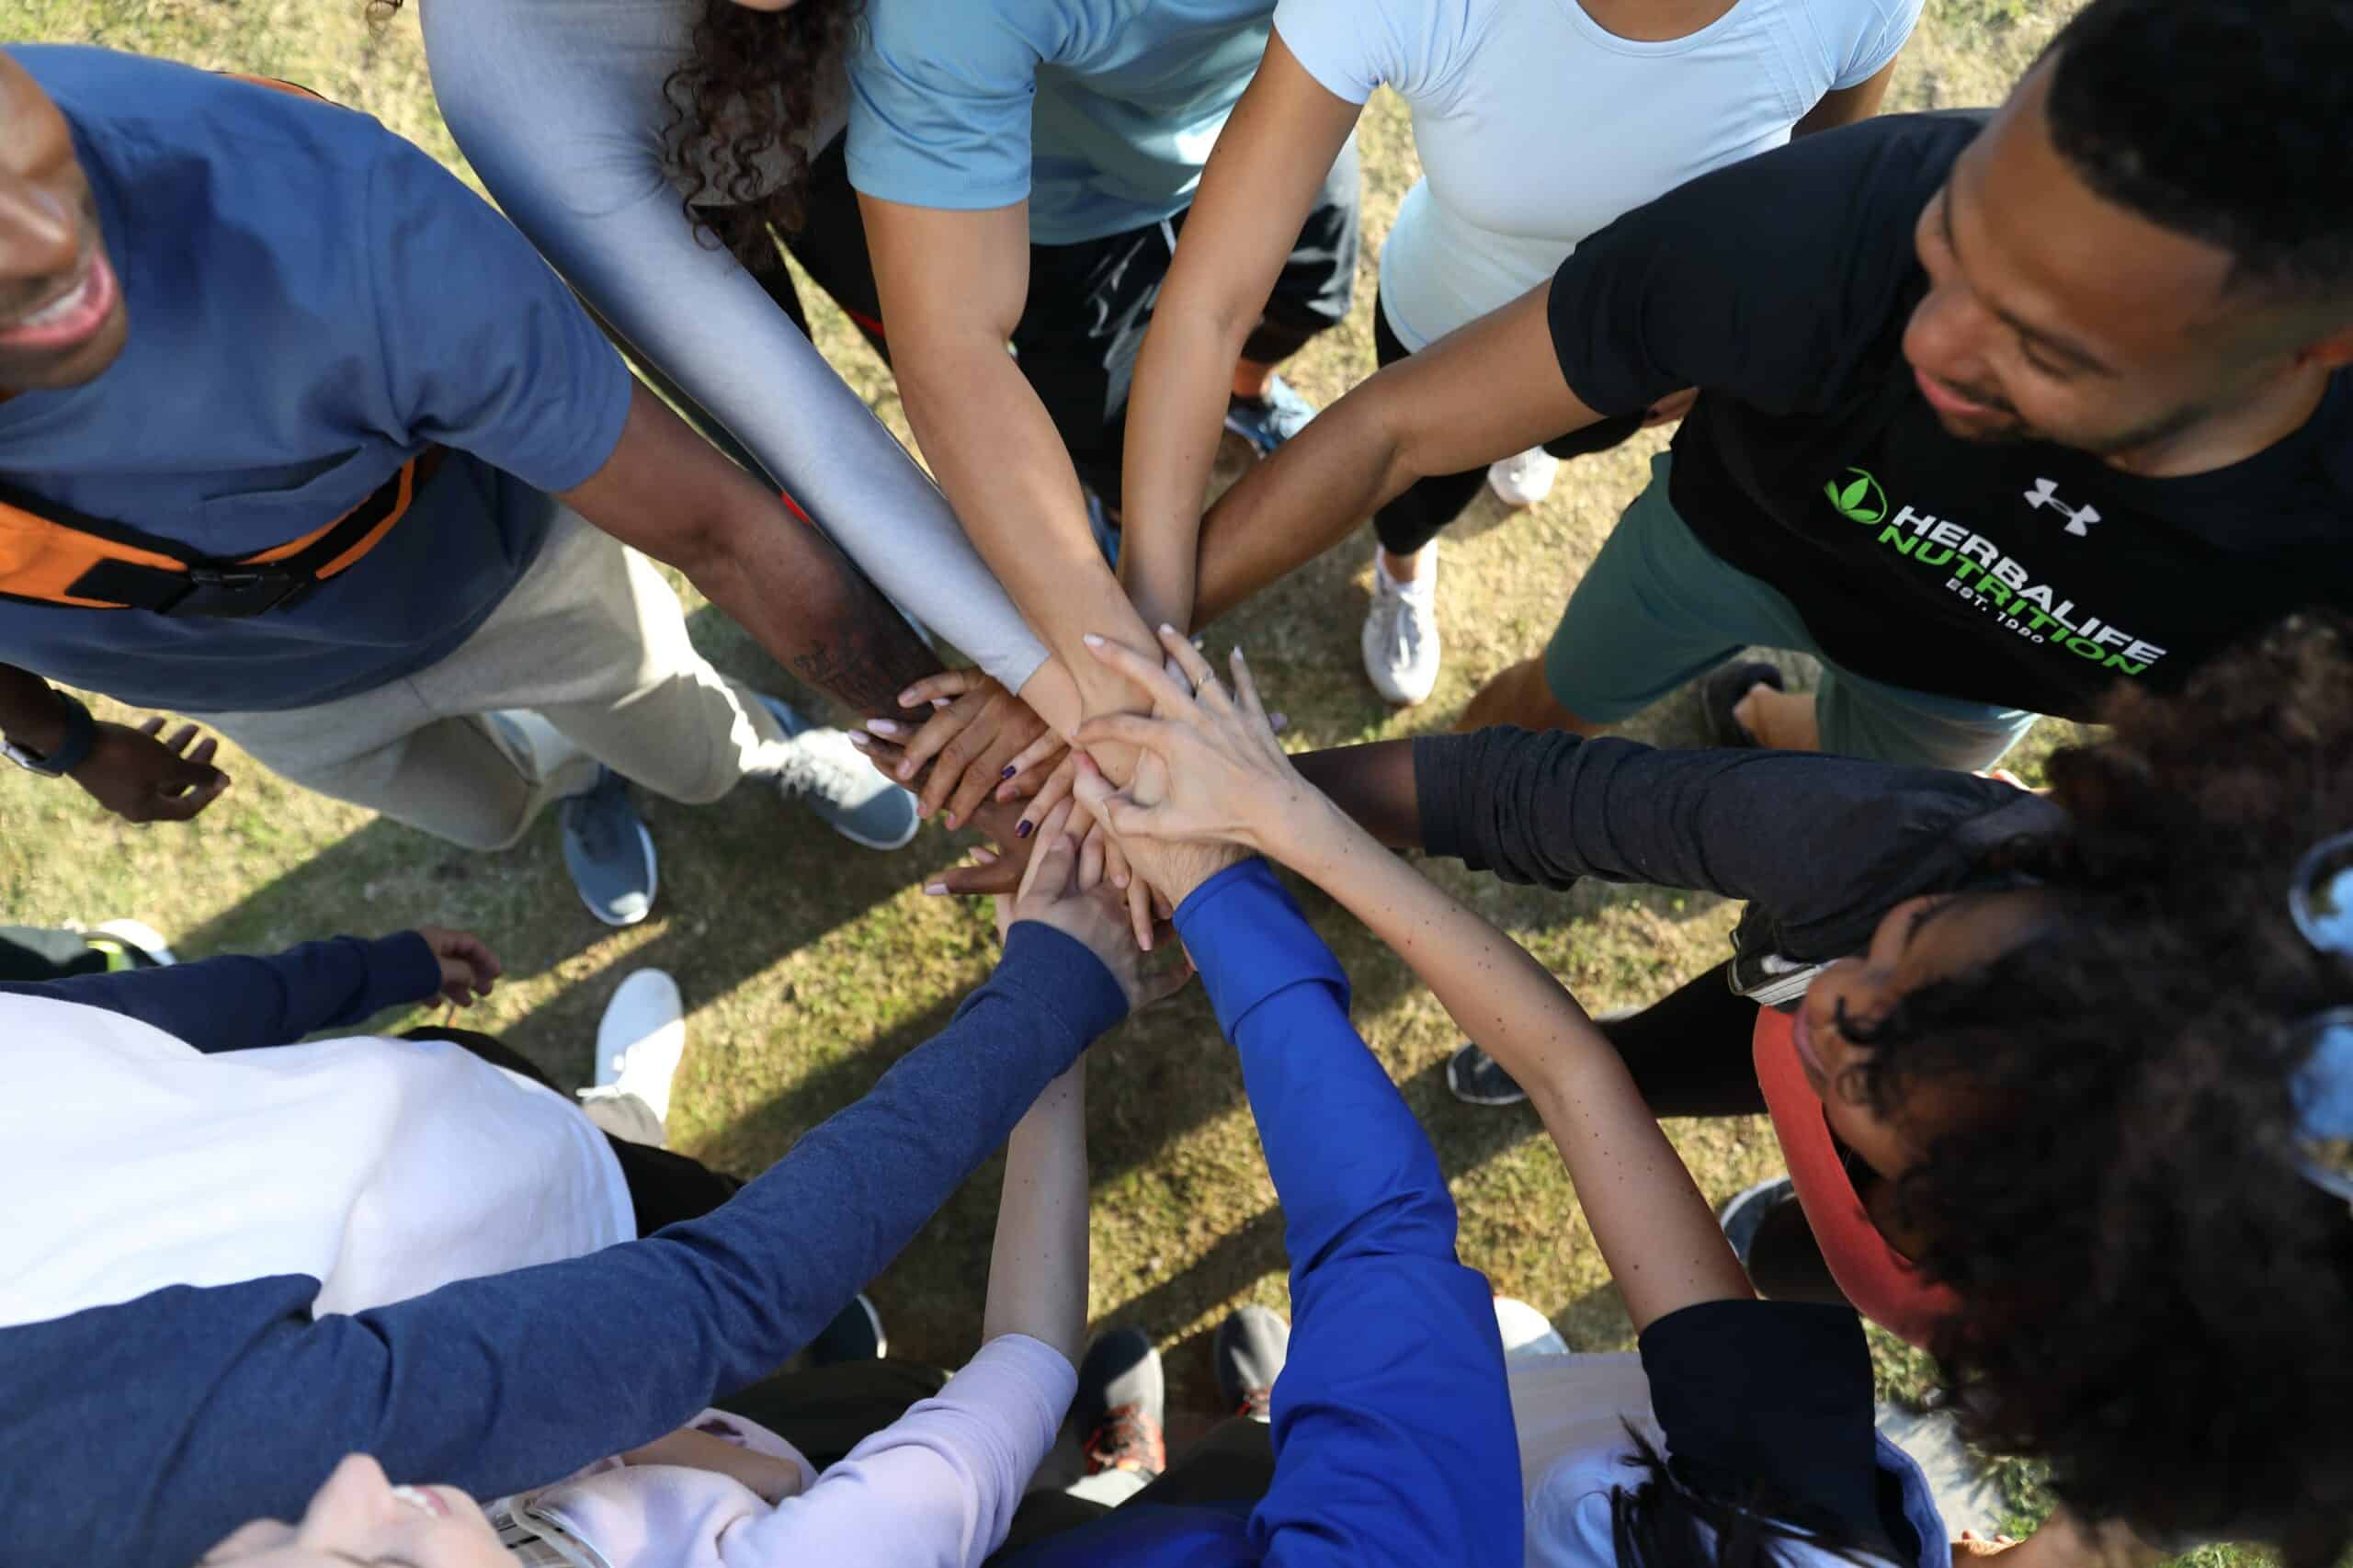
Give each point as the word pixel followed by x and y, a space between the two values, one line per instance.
pixel 2038 410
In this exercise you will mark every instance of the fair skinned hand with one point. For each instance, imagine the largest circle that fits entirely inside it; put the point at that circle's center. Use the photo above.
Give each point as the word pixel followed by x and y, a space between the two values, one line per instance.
pixel 140 777
pixel 1974 1548
pixel 1064 887
pixel 972 742
pixel 1226 780
pixel 469 968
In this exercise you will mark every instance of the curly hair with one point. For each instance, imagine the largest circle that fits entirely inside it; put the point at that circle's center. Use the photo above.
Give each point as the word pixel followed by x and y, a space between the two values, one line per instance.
pixel 750 93
pixel 2158 1303
pixel 2224 122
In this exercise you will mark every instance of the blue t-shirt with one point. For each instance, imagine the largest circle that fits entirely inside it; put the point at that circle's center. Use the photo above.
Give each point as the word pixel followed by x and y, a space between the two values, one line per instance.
pixel 313 301
pixel 1101 112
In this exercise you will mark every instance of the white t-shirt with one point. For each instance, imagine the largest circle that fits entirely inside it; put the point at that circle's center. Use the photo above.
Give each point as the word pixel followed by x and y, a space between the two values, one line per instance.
pixel 383 1168
pixel 1537 126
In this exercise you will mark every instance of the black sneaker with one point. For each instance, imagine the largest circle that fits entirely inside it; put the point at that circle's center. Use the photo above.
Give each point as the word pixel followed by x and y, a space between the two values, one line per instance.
pixel 1475 1079
pixel 855 1334
pixel 1745 1211
pixel 1121 1403
pixel 1251 1347
pixel 1721 691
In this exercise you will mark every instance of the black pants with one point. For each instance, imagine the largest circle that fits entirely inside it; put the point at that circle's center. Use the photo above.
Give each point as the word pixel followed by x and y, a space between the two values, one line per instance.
pixel 664 1188
pixel 1090 304
pixel 1691 1055
pixel 1414 518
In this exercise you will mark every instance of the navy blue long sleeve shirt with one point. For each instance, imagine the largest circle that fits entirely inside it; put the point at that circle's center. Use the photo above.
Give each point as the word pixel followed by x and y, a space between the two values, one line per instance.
pixel 243 1004
pixel 1392 1427
pixel 142 1433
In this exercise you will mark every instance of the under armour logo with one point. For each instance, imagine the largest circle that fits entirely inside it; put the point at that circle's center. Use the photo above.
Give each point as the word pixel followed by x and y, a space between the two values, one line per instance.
pixel 2079 518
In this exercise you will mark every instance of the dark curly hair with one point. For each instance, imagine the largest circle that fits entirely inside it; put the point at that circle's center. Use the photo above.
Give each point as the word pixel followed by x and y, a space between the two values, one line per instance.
pixel 2158 1303
pixel 751 90
pixel 2221 120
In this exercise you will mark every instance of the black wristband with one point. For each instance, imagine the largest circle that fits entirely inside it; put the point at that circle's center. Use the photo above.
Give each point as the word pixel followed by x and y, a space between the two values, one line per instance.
pixel 81 735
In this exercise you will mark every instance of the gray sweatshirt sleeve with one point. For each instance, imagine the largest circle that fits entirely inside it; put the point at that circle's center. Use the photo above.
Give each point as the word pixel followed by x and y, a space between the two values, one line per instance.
pixel 1826 844
pixel 559 105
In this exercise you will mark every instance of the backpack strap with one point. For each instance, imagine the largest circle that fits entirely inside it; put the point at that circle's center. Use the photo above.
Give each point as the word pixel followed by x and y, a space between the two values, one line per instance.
pixel 53 555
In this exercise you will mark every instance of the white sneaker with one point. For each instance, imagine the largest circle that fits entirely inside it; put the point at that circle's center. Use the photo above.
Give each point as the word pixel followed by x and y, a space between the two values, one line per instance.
pixel 1521 482
pixel 835 779
pixel 1400 647
pixel 1526 1331
pixel 641 1041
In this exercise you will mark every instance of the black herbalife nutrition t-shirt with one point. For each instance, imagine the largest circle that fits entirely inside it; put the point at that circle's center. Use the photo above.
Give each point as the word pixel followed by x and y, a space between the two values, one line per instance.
pixel 2023 576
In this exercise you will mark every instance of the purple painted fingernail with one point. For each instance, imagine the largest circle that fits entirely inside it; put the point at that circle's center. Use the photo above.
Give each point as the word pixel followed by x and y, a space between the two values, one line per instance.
pixel 1023 830
pixel 1009 771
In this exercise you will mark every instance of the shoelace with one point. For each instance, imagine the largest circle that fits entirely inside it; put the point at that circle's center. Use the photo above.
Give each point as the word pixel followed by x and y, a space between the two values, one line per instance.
pixel 1399 626
pixel 601 819
pixel 1126 1439
pixel 808 771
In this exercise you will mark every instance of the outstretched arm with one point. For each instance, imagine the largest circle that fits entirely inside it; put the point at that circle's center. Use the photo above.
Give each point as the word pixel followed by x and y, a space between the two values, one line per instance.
pixel 1486 391
pixel 1229 778
pixel 1271 157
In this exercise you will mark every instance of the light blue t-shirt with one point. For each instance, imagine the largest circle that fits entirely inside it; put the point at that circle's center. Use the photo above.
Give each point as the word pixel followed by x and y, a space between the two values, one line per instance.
pixel 1101 112
pixel 313 301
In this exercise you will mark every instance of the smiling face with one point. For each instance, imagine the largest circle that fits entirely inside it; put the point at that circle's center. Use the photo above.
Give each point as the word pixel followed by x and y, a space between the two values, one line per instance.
pixel 1918 942
pixel 2055 315
pixel 358 1519
pixel 62 318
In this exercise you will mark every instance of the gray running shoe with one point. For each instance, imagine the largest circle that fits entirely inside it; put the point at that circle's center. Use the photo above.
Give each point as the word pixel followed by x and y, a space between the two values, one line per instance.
pixel 1268 422
pixel 1123 1403
pixel 1251 1347
pixel 1475 1079
pixel 835 780
pixel 609 852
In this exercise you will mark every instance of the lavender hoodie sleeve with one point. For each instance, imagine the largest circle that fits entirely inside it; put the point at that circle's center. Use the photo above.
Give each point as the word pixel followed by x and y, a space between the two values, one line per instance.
pixel 143 1433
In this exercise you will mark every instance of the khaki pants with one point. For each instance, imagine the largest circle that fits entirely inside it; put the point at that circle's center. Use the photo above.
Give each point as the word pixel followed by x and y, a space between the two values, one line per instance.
pixel 587 661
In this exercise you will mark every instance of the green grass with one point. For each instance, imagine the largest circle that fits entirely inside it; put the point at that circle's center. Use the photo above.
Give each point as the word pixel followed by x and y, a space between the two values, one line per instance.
pixel 808 966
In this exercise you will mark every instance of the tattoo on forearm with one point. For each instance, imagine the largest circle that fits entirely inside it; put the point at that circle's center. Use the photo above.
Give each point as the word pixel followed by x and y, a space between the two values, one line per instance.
pixel 866 667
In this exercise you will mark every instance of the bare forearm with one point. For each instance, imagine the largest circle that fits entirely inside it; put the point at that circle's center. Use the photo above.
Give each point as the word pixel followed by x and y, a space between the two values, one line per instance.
pixel 1175 417
pixel 997 456
pixel 1653 1226
pixel 815 614
pixel 1373 784
pixel 1038 1267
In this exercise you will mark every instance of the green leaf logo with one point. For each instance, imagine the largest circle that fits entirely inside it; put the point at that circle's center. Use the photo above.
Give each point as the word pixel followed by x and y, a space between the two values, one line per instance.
pixel 1861 499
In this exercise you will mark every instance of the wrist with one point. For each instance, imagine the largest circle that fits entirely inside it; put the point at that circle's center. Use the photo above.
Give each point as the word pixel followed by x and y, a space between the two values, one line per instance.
pixel 53 738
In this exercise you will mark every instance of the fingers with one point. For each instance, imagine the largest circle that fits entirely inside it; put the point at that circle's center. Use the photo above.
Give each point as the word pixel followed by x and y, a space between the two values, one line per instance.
pixel 1164 690
pixel 1125 729
pixel 884 754
pixel 946 684
pixel 1139 911
pixel 1056 790
pixel 180 801
pixel 1035 754
pixel 1053 865
pixel 981 779
pixel 1001 876
pixel 1197 670
pixel 1092 850
pixel 1245 690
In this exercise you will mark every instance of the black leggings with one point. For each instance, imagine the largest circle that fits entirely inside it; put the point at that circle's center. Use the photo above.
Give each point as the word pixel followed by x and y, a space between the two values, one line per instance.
pixel 1414 518
pixel 664 1188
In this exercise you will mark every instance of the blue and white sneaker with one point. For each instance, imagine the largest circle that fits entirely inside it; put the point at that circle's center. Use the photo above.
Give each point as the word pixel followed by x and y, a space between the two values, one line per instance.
pixel 1268 422
pixel 609 852
pixel 837 781
pixel 1106 531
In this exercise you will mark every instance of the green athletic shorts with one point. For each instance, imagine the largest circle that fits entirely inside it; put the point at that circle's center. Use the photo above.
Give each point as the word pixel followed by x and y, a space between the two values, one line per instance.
pixel 1658 609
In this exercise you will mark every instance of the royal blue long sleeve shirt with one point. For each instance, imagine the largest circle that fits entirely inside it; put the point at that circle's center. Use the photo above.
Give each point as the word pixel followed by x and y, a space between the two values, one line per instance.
pixel 1392 1427
pixel 140 1434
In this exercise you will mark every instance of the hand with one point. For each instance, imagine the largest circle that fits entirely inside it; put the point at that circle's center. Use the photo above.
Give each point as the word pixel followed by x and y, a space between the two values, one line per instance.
pixel 1973 1547
pixel 1064 887
pixel 1226 780
pixel 981 737
pixel 469 968
pixel 142 779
